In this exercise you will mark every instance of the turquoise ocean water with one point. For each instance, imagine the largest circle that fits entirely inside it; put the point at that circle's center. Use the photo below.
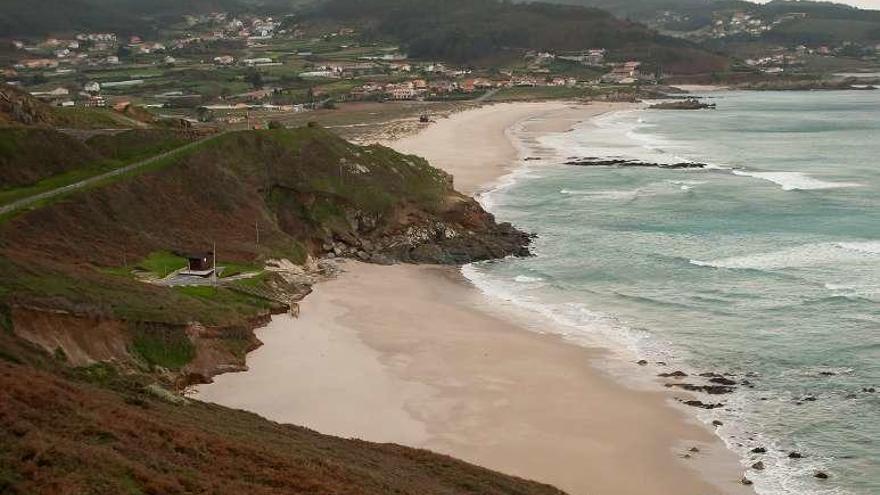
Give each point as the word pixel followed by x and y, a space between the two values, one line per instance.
pixel 765 266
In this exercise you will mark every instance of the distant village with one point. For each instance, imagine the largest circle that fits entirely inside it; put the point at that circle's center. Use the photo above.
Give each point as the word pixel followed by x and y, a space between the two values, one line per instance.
pixel 273 64
pixel 737 26
pixel 219 66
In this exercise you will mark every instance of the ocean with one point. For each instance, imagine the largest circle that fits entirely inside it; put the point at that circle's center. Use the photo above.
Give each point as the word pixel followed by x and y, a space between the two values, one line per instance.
pixel 764 267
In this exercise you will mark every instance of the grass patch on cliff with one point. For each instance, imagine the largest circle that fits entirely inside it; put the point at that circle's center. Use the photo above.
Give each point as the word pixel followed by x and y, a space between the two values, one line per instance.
pixel 233 268
pixel 101 154
pixel 100 293
pixel 162 263
pixel 371 178
pixel 244 304
pixel 159 345
pixel 137 144
pixel 89 118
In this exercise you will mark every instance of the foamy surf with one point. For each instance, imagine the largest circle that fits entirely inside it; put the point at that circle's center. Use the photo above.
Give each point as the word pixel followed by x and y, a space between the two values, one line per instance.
pixel 794 181
pixel 780 283
pixel 822 253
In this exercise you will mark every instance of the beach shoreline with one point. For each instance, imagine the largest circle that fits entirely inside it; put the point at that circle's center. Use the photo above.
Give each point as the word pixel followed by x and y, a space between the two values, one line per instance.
pixel 409 354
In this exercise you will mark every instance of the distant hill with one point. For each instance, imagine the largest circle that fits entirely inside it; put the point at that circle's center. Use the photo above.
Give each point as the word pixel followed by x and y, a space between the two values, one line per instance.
pixel 648 9
pixel 823 22
pixel 484 31
pixel 45 17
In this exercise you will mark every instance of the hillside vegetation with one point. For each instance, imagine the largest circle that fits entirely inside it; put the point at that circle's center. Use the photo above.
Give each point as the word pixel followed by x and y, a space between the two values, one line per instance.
pixel 93 352
pixel 29 155
pixel 484 31
pixel 308 193
pixel 46 17
pixel 825 22
pixel 94 430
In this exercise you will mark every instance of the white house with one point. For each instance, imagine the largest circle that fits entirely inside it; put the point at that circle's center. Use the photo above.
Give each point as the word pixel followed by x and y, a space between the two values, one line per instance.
pixel 257 61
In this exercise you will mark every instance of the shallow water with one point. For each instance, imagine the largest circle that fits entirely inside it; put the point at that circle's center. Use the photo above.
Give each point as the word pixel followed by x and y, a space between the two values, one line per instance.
pixel 767 264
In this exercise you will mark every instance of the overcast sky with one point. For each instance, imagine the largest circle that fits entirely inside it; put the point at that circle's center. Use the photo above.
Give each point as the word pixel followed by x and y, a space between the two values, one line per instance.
pixel 865 4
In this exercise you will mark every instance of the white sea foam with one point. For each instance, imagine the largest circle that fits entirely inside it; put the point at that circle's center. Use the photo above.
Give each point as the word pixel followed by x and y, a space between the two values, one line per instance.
pixel 572 320
pixel 798 256
pixel 649 190
pixel 855 290
pixel 794 181
pixel 867 247
pixel 612 195
pixel 525 279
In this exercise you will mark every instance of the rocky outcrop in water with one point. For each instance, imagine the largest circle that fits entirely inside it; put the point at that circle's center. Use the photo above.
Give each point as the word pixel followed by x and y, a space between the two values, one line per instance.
pixel 687 104
pixel 625 163
pixel 708 389
pixel 700 404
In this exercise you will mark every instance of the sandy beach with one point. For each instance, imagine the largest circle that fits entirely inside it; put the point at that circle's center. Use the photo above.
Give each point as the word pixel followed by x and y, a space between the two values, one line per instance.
pixel 409 354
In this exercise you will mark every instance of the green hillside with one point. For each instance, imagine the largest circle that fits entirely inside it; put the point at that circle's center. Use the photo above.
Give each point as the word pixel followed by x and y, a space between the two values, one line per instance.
pixel 99 431
pixel 28 18
pixel 485 31
pixel 93 350
pixel 823 22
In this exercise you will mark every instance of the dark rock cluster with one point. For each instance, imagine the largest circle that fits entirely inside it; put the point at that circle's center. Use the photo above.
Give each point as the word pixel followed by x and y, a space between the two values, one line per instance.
pixel 626 163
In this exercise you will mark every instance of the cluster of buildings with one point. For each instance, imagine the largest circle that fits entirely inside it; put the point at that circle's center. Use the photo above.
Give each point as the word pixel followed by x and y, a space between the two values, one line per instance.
pixel 59 57
pixel 95 62
pixel 440 88
pixel 64 55
pixel 594 57
pixel 221 25
pixel 419 88
pixel 739 23
pixel 782 59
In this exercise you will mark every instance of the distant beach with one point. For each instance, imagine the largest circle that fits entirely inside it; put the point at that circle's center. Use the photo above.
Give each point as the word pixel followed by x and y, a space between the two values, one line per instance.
pixel 416 355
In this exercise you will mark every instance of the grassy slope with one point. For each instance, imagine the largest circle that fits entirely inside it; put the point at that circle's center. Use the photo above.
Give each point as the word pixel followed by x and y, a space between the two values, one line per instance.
pixel 474 31
pixel 297 184
pixel 37 159
pixel 93 431
pixel 814 31
pixel 31 154
pixel 28 18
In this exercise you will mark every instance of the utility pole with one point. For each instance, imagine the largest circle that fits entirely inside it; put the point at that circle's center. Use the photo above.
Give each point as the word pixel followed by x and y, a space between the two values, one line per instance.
pixel 214 271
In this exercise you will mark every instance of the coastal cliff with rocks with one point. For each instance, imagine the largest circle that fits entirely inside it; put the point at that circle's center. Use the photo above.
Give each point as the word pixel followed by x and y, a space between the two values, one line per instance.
pixel 254 196
pixel 95 342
